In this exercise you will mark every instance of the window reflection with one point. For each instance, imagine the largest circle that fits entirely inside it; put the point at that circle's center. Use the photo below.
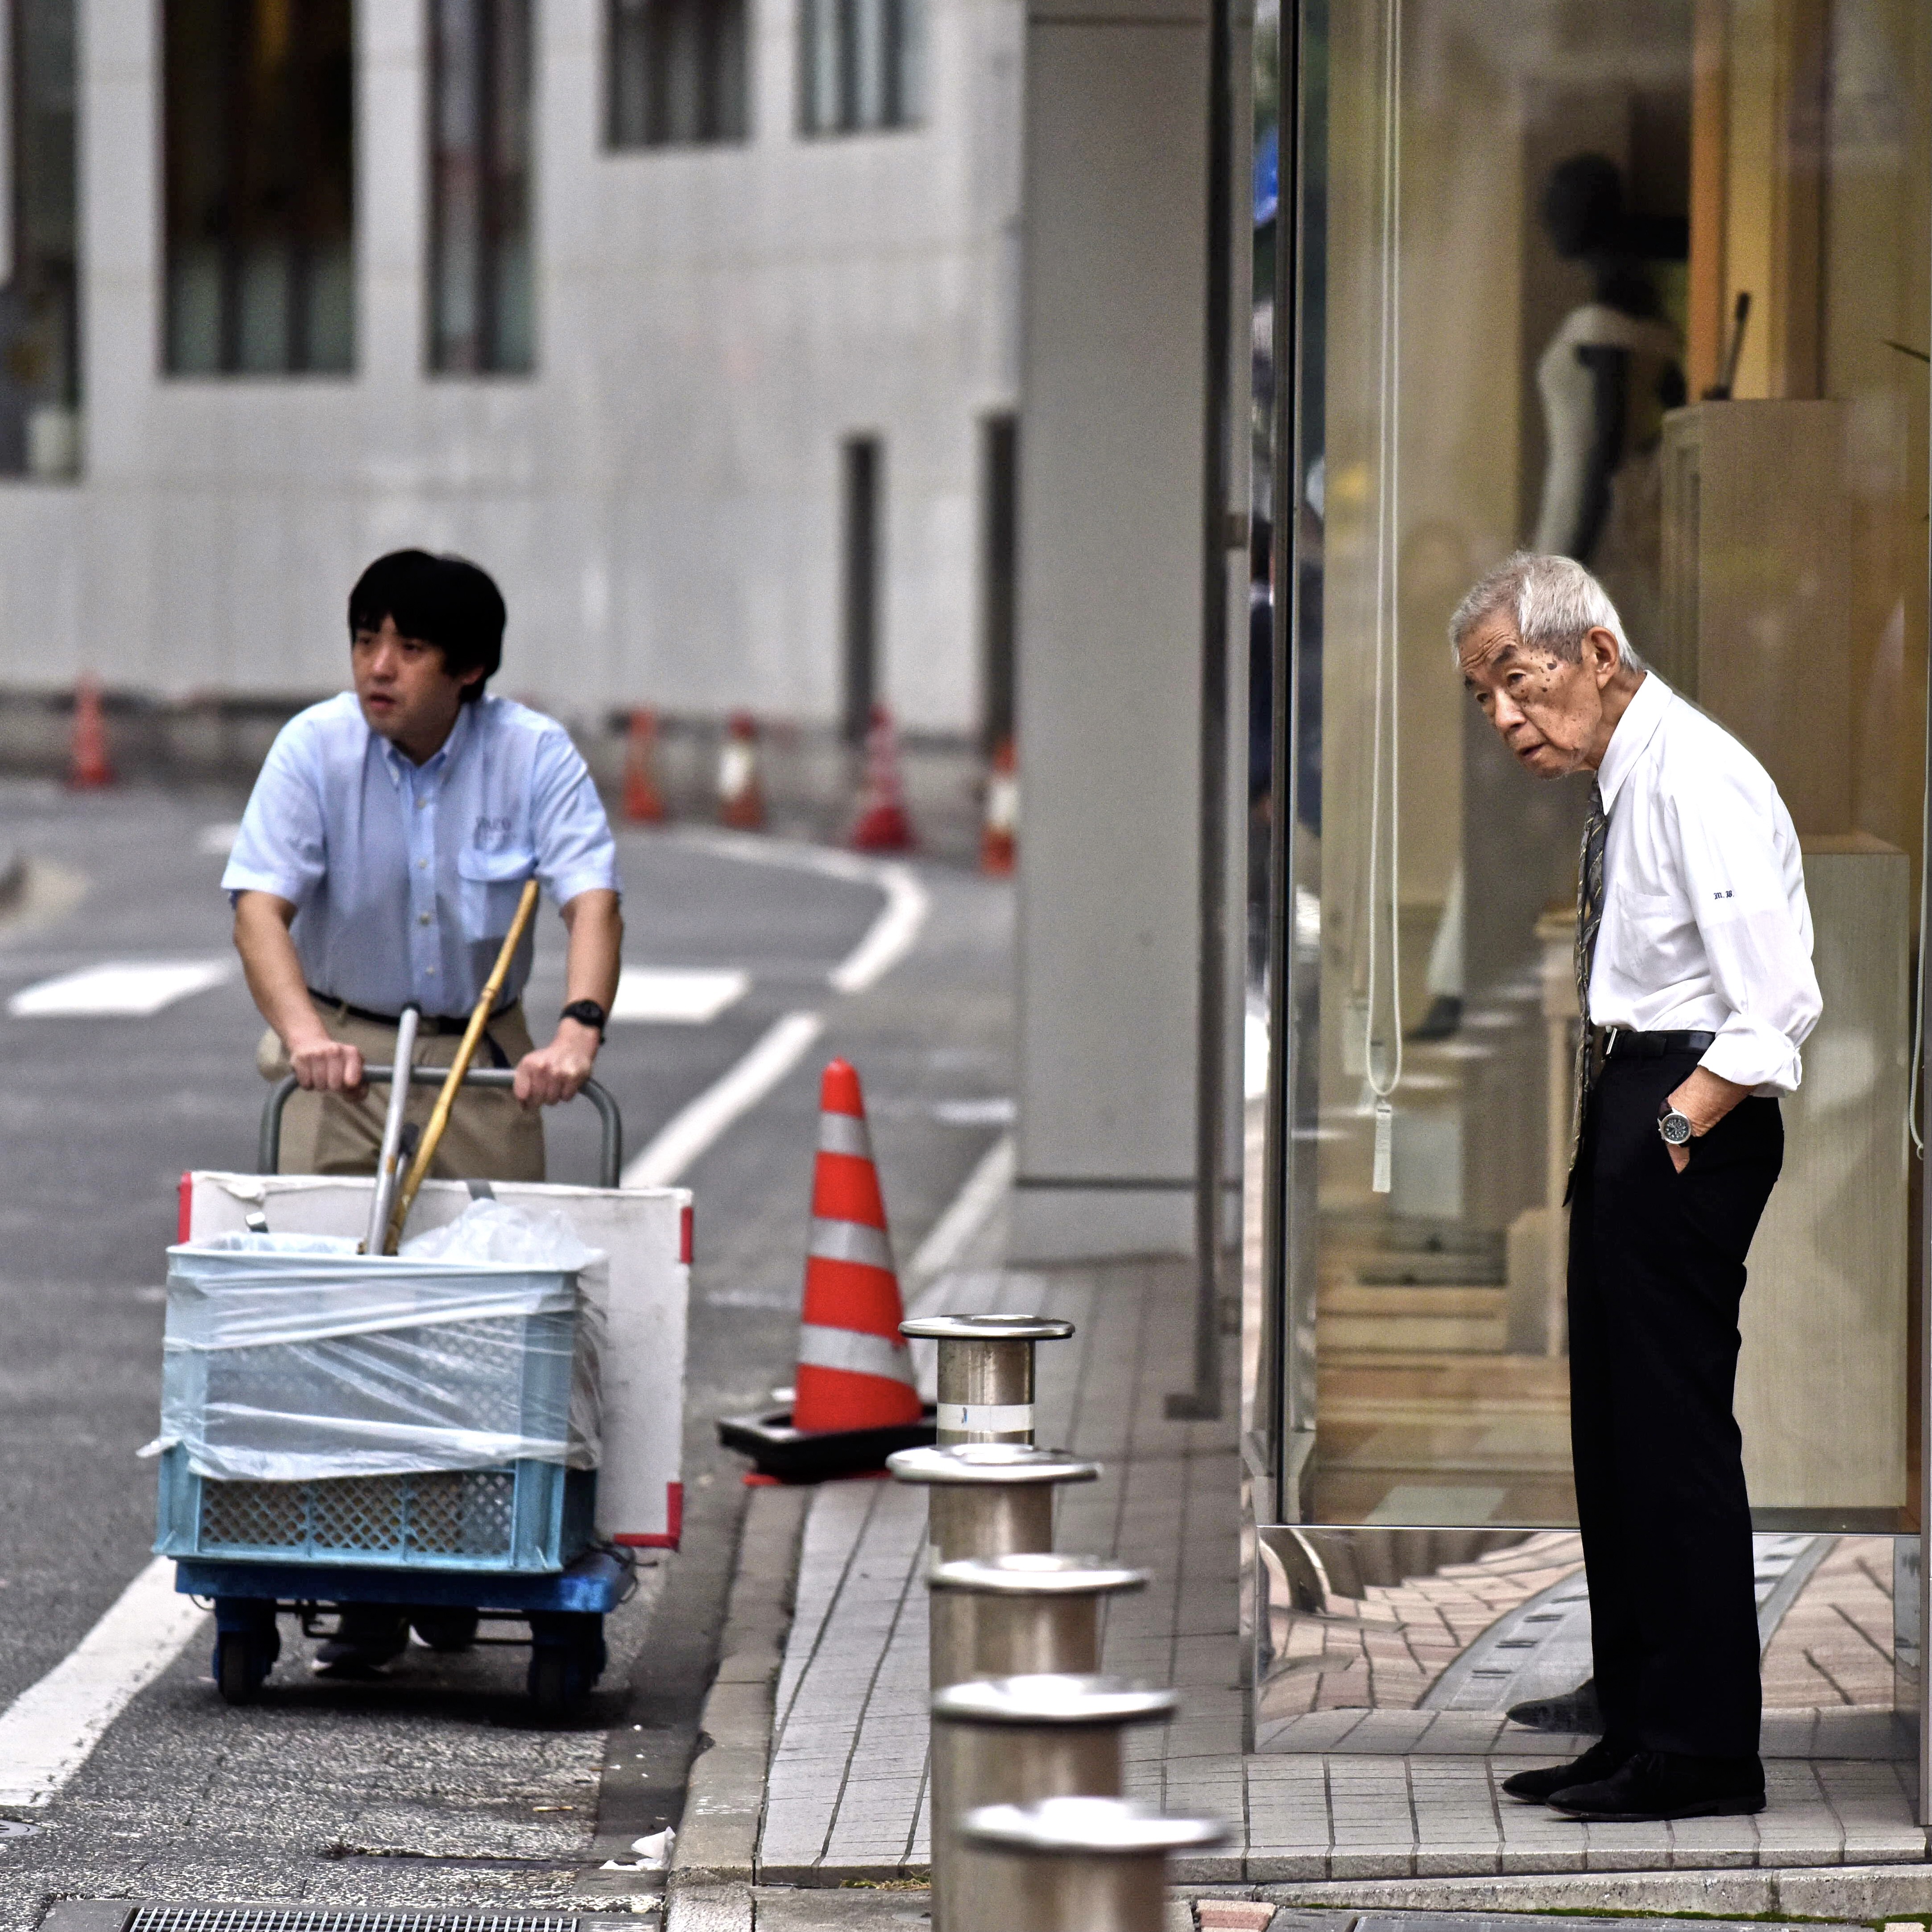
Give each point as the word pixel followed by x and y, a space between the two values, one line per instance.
pixel 1526 232
pixel 677 72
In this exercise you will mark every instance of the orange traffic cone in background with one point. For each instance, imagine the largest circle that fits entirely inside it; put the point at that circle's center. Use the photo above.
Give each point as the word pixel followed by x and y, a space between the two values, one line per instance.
pixel 87 767
pixel 998 841
pixel 644 803
pixel 854 1369
pixel 882 825
pixel 741 796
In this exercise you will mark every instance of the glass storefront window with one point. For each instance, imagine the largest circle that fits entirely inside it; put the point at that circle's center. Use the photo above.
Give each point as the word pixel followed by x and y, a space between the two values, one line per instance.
pixel 1645 284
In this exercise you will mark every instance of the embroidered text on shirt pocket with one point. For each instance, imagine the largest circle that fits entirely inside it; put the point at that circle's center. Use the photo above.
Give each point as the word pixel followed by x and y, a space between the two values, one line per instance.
pixel 511 866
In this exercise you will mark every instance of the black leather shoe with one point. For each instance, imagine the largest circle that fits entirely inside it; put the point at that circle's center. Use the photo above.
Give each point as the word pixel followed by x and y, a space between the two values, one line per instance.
pixel 1602 1759
pixel 1653 1786
pixel 1575 1711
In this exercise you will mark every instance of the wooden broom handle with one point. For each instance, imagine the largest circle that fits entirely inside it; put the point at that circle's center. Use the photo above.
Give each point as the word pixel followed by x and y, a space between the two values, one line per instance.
pixel 485 1008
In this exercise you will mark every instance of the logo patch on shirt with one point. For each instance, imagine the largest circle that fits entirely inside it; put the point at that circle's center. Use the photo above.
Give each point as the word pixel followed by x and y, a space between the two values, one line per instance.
pixel 1725 894
pixel 488 828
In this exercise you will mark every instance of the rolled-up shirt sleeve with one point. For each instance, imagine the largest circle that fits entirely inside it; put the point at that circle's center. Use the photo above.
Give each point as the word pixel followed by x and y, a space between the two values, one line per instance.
pixel 282 847
pixel 1756 934
pixel 575 852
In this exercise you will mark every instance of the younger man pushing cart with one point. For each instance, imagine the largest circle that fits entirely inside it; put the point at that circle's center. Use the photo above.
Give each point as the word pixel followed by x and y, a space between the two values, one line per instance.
pixel 380 862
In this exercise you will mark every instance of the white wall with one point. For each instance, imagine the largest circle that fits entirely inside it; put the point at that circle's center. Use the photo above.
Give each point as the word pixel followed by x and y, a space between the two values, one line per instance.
pixel 660 501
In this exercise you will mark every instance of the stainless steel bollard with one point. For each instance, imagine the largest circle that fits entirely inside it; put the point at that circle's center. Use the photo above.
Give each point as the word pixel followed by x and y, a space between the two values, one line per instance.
pixel 1080 1865
pixel 990 1498
pixel 985 1372
pixel 1022 1616
pixel 1012 1741
pixel 1011 1616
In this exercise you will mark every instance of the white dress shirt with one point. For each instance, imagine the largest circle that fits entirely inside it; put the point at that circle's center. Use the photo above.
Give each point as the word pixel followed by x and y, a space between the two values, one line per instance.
pixel 1706 926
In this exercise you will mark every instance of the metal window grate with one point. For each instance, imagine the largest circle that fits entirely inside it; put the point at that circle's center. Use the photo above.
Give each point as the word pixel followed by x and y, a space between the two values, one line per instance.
pixel 311 1918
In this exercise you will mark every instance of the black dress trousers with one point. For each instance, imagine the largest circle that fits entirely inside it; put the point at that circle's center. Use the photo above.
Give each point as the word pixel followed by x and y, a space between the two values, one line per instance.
pixel 1657 1273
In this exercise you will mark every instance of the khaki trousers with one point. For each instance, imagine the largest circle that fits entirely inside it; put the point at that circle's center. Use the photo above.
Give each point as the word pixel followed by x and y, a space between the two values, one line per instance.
pixel 489 1137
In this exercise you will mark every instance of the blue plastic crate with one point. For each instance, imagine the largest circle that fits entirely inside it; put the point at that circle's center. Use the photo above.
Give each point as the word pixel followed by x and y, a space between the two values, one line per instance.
pixel 518 1517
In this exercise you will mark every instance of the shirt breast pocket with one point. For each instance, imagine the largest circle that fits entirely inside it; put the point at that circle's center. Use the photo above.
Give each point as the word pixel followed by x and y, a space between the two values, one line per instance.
pixel 492 882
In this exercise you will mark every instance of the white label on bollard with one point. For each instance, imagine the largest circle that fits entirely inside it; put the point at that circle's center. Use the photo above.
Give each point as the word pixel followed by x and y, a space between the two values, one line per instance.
pixel 987 1418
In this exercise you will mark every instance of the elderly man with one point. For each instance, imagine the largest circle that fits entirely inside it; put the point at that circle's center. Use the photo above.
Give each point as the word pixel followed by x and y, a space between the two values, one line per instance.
pixel 1693 969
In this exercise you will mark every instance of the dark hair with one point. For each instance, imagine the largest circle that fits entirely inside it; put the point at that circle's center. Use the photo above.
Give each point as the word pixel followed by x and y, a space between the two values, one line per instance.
pixel 447 601
pixel 1583 206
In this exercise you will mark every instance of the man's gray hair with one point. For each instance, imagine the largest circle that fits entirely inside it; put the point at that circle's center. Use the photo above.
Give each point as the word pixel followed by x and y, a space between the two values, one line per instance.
pixel 1553 601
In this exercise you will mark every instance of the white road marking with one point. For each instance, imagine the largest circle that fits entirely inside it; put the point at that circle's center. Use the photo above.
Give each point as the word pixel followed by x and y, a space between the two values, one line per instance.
pixel 128 991
pixel 999 1110
pixel 674 997
pixel 218 840
pixel 967 1214
pixel 689 1133
pixel 892 935
pixel 49 1731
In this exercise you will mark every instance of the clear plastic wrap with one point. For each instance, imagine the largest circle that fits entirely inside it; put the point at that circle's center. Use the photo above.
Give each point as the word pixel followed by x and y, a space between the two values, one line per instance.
pixel 291 1358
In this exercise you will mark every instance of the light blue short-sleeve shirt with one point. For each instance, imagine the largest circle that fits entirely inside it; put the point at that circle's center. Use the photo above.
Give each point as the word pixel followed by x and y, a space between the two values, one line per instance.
pixel 405 877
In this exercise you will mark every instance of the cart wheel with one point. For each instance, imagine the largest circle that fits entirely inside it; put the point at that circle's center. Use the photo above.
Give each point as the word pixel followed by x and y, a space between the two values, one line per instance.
pixel 446 1628
pixel 567 1658
pixel 241 1665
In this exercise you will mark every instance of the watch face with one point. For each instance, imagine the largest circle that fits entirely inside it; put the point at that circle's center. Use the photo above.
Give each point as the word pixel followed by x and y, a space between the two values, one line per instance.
pixel 1676 1128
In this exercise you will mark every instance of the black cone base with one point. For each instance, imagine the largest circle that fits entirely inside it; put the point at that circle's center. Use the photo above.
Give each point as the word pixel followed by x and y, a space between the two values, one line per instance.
pixel 789 1455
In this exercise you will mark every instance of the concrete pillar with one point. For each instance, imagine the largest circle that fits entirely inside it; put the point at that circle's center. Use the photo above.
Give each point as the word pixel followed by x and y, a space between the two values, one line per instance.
pixel 1111 550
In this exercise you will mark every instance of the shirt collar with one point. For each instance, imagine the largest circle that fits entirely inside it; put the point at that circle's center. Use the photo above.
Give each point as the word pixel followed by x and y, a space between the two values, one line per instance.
pixel 1631 738
pixel 403 769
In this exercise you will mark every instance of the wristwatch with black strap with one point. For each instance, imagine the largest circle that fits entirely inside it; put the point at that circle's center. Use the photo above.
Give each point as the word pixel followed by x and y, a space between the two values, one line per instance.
pixel 586 1012
pixel 1675 1127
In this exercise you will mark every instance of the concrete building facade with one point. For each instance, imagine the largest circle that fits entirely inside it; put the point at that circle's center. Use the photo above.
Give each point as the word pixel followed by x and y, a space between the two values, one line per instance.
pixel 665 495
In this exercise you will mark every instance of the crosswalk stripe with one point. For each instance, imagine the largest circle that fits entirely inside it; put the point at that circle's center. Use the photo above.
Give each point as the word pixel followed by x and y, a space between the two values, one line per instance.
pixel 676 996
pixel 49 1731
pixel 129 990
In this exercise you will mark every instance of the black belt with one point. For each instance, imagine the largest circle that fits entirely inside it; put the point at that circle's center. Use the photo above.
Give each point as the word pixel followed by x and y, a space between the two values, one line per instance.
pixel 1619 1043
pixel 440 1024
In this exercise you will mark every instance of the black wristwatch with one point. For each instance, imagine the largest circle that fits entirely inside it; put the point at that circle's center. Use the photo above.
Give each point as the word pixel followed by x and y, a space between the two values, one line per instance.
pixel 586 1012
pixel 1675 1127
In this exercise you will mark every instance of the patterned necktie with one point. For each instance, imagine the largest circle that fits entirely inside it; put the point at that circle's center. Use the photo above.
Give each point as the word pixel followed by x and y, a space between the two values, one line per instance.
pixel 1589 917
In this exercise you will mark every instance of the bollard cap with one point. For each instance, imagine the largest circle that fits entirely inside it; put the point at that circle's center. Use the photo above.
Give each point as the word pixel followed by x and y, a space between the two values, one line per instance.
pixel 1036 1576
pixel 1078 1825
pixel 996 1463
pixel 1055 1698
pixel 986 1328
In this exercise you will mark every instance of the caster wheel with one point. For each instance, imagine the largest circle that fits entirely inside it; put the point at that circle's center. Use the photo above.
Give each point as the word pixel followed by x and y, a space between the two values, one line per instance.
pixel 446 1630
pixel 242 1661
pixel 550 1680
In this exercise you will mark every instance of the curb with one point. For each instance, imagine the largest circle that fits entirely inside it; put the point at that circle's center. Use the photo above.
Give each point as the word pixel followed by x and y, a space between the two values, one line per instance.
pixel 1797 1892
pixel 713 1861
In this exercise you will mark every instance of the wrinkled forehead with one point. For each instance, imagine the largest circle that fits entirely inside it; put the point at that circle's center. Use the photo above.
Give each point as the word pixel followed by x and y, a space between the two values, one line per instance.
pixel 1491 645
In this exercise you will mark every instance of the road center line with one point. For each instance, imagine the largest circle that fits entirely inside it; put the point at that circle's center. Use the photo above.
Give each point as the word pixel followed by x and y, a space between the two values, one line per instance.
pixel 690 1131
pixel 49 1731
pixel 890 937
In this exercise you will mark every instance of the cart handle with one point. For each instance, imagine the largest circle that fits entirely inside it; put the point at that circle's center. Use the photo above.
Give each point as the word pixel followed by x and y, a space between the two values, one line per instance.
pixel 610 1156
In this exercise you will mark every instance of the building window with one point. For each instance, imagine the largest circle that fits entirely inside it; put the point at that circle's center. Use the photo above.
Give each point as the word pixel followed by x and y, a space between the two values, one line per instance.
pixel 482 316
pixel 860 64
pixel 863 486
pixel 260 133
pixel 40 372
pixel 677 72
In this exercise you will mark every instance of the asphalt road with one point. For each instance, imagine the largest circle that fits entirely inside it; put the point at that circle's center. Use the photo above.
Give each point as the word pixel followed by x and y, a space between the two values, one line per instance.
pixel 437 1786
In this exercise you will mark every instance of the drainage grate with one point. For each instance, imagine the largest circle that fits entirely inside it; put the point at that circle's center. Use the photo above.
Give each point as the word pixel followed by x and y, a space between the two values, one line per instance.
pixel 311 1918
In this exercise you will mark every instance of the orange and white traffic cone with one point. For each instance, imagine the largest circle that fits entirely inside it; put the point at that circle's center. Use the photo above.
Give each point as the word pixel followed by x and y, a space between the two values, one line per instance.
pixel 998 842
pixel 741 795
pixel 882 824
pixel 89 766
pixel 854 1368
pixel 855 1400
pixel 644 803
